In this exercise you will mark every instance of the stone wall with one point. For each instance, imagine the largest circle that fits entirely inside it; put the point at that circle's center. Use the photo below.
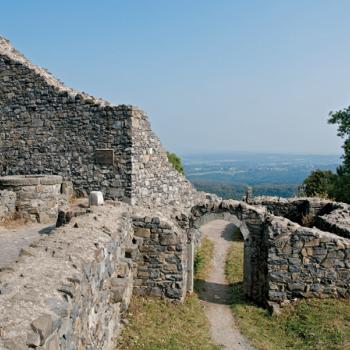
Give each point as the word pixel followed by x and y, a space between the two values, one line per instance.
pixel 305 262
pixel 47 128
pixel 70 289
pixel 282 259
pixel 155 182
pixel 161 256
pixel 7 205
pixel 37 197
pixel 322 213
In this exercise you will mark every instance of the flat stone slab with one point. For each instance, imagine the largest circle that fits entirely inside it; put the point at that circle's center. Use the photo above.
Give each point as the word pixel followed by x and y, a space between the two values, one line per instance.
pixel 29 180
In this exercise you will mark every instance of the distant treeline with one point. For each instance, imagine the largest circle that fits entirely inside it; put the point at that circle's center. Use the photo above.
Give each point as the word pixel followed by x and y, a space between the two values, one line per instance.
pixel 237 191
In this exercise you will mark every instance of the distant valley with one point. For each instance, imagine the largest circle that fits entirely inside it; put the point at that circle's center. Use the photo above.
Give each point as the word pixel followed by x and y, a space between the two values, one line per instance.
pixel 227 174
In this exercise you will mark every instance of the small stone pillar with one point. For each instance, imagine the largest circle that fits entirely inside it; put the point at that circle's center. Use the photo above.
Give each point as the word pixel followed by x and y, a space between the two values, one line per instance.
pixel 248 194
pixel 95 198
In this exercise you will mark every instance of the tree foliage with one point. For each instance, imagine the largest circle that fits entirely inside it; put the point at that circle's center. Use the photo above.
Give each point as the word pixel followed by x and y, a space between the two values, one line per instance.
pixel 176 162
pixel 318 183
pixel 342 119
pixel 325 183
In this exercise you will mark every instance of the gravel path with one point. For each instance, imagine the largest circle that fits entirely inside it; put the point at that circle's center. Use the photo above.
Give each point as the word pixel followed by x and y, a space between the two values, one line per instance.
pixel 216 294
pixel 13 240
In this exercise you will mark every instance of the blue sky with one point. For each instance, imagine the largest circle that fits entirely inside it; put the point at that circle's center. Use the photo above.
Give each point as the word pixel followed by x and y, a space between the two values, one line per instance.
pixel 219 75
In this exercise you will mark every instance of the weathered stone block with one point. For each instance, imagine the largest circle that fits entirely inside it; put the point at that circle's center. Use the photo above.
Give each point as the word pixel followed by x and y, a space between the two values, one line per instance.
pixel 142 232
pixel 95 198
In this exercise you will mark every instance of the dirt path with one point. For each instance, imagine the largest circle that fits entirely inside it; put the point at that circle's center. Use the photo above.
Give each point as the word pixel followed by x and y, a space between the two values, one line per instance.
pixel 216 294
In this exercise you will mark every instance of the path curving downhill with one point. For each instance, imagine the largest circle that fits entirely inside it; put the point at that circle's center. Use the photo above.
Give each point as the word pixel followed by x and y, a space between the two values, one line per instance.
pixel 216 293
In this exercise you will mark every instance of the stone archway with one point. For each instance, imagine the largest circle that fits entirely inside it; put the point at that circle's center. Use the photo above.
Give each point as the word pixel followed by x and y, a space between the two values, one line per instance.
pixel 250 221
pixel 195 234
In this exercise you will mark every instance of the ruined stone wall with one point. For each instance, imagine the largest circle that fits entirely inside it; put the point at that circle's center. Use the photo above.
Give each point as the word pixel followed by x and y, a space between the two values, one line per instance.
pixel 305 262
pixel 155 181
pixel 37 197
pixel 47 128
pixel 282 259
pixel 161 257
pixel 310 212
pixel 70 289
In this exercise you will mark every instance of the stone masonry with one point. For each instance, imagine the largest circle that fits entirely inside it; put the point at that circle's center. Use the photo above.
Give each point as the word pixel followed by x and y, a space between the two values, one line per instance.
pixel 321 213
pixel 162 256
pixel 282 259
pixel 47 128
pixel 37 197
pixel 70 289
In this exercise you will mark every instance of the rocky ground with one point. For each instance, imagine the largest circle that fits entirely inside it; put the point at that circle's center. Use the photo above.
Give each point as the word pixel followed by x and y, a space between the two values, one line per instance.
pixel 13 240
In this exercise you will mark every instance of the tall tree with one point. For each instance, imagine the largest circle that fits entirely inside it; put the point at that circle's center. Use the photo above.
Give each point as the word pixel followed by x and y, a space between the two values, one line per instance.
pixel 341 184
pixel 342 119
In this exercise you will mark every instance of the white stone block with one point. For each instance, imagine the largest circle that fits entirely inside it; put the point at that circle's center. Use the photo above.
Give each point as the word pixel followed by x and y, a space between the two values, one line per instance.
pixel 95 198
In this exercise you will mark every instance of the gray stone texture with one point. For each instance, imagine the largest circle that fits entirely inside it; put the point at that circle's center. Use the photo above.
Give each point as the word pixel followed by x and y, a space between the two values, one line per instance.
pixel 37 197
pixel 70 288
pixel 311 212
pixel 161 257
pixel 47 128
pixel 7 205
pixel 282 259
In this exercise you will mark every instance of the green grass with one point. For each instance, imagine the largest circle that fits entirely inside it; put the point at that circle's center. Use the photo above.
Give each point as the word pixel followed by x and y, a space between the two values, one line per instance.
pixel 309 325
pixel 202 260
pixel 156 324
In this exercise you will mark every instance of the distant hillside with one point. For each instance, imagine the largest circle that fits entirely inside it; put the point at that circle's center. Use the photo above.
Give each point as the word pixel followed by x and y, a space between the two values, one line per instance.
pixel 268 174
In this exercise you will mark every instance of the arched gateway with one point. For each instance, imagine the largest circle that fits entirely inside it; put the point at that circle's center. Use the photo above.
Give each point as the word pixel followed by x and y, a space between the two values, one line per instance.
pixel 251 221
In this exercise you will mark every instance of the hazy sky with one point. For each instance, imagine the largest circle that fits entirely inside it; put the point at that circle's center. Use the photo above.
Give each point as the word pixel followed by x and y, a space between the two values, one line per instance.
pixel 212 75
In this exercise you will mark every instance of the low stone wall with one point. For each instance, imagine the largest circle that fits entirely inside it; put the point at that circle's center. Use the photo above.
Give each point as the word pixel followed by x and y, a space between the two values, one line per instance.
pixel 322 213
pixel 282 259
pixel 305 262
pixel 37 197
pixel 336 221
pixel 7 205
pixel 70 289
pixel 161 256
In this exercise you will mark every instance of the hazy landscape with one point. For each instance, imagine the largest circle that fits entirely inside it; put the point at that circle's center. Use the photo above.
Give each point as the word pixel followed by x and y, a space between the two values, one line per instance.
pixel 226 174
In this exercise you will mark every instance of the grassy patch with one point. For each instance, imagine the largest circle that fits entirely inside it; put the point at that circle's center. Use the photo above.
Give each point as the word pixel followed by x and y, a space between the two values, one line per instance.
pixel 157 324
pixel 309 325
pixel 202 261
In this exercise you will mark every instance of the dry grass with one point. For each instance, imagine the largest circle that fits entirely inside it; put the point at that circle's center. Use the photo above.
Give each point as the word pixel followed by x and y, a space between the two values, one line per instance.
pixel 202 262
pixel 157 324
pixel 309 325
